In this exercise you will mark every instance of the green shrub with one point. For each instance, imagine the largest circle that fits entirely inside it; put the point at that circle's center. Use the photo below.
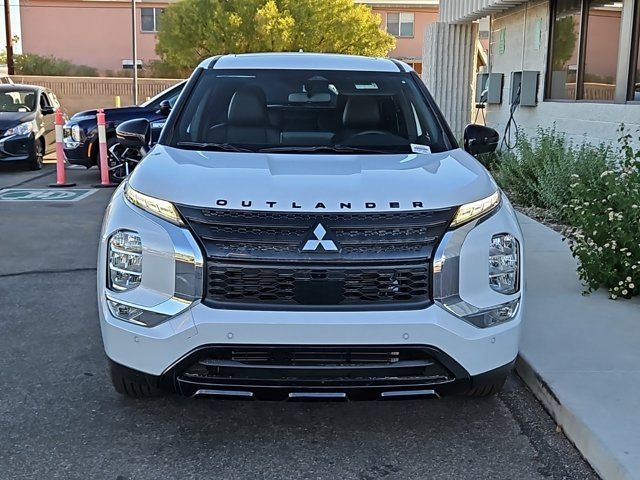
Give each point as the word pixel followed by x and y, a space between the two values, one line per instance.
pixel 152 69
pixel 160 69
pixel 539 172
pixel 32 64
pixel 604 219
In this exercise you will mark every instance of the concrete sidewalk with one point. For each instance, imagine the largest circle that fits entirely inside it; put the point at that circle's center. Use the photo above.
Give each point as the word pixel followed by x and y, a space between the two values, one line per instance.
pixel 581 356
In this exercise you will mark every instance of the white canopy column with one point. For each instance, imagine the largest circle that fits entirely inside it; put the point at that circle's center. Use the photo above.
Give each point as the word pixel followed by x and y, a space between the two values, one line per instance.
pixel 449 64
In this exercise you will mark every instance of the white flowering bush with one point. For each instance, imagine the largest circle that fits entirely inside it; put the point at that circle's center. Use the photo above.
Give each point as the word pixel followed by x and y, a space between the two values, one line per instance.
pixel 604 219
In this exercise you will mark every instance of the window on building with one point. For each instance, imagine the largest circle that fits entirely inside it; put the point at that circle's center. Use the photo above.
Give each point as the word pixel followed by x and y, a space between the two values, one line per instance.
pixel 601 49
pixel 634 74
pixel 565 47
pixel 584 49
pixel 150 19
pixel 400 24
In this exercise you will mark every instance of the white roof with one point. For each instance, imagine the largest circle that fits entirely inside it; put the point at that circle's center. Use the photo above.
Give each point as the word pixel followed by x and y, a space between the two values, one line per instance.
pixel 464 11
pixel 306 61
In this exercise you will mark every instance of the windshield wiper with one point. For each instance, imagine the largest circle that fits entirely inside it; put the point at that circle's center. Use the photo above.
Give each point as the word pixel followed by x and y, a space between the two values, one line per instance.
pixel 226 147
pixel 323 148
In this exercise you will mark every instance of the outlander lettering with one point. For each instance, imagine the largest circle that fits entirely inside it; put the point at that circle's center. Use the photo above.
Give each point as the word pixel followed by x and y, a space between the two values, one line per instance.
pixel 285 239
pixel 221 202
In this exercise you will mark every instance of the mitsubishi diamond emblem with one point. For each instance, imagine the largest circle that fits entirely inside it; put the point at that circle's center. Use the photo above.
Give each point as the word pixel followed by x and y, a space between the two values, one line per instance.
pixel 317 239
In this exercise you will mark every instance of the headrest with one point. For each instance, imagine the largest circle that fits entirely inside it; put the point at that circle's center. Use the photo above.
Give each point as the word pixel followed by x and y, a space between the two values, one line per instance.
pixel 248 108
pixel 6 99
pixel 361 112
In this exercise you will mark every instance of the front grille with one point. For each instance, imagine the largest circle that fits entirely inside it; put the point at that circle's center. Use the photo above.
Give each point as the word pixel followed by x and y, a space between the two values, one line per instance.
pixel 362 237
pixel 232 284
pixel 255 259
pixel 310 356
pixel 326 366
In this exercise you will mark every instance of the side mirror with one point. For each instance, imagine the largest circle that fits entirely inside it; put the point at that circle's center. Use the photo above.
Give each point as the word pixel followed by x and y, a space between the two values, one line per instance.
pixel 165 108
pixel 134 133
pixel 479 139
pixel 48 110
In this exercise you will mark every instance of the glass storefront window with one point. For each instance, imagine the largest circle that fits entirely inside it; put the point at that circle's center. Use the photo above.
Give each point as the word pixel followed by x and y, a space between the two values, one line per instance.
pixel 601 50
pixel 585 50
pixel 634 87
pixel 565 49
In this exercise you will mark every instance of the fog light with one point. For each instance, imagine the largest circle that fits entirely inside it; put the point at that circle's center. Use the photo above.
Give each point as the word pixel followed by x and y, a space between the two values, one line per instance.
pixel 124 312
pixel 135 315
pixel 495 316
pixel 125 260
pixel 504 260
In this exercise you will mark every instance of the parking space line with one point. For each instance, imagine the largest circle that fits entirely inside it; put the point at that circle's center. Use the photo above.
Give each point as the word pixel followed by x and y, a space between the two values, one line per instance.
pixel 44 194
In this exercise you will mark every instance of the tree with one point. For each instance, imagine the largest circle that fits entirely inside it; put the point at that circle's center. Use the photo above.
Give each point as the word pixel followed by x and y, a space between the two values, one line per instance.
pixel 192 30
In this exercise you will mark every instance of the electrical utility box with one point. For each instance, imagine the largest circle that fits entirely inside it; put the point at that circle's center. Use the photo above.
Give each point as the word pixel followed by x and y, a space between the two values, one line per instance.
pixel 524 88
pixel 492 83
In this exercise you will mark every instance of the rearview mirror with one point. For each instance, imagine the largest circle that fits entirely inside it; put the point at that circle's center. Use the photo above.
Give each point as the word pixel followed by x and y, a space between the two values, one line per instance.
pixel 479 139
pixel 134 133
pixel 47 110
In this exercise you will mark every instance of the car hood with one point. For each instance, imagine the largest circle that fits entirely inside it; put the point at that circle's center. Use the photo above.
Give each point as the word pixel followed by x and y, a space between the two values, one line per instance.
pixel 11 119
pixel 312 182
pixel 107 111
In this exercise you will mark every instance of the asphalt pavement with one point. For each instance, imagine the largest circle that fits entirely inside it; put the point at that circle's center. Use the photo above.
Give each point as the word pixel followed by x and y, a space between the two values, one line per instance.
pixel 60 418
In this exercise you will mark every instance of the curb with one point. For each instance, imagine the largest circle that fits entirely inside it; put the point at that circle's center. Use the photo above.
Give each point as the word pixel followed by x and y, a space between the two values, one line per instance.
pixel 592 448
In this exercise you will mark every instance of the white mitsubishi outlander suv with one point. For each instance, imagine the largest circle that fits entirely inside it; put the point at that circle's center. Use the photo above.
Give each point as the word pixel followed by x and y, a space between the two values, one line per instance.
pixel 307 227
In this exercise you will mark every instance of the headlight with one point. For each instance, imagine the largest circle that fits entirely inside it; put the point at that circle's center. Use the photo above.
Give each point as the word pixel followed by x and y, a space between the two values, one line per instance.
pixel 76 133
pixel 72 132
pixel 504 260
pixel 125 260
pixel 155 206
pixel 470 211
pixel 22 129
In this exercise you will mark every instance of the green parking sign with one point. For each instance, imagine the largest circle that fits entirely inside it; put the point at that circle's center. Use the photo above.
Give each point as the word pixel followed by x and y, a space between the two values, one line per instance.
pixel 44 194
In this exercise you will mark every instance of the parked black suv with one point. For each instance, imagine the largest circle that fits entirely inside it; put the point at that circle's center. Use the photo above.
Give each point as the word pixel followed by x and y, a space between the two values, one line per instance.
pixel 81 131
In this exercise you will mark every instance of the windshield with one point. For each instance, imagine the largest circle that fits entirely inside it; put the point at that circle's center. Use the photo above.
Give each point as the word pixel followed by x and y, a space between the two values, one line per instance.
pixel 17 100
pixel 307 111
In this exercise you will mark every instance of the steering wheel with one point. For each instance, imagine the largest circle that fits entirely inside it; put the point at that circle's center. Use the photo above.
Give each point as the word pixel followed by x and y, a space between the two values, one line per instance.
pixel 370 132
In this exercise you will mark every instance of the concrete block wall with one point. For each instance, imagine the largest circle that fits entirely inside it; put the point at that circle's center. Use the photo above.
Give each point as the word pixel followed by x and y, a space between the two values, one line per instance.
pixel 594 122
pixel 85 93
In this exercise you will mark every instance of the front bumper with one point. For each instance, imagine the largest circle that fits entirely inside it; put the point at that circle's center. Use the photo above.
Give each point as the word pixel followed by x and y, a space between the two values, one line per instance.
pixel 77 153
pixel 165 351
pixel 17 148
pixel 365 384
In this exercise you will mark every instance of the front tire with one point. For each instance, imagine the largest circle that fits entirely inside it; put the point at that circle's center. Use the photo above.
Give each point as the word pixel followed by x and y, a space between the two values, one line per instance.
pixel 132 384
pixel 37 161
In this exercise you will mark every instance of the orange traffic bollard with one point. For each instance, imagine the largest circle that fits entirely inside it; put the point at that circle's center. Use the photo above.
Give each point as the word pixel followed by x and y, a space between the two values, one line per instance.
pixel 60 171
pixel 104 154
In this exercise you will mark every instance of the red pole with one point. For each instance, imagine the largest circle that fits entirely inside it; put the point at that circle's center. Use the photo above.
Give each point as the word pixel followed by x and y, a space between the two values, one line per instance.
pixel 104 154
pixel 60 171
